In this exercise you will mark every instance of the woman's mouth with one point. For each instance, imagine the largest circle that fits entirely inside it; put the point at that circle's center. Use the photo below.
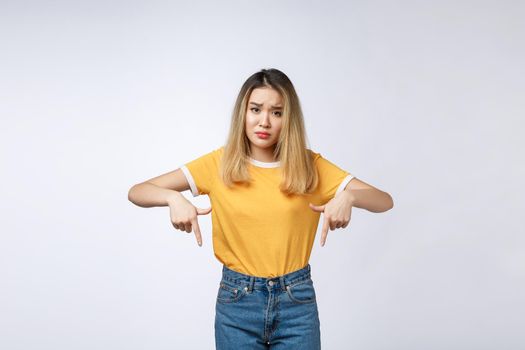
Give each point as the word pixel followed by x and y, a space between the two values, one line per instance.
pixel 262 135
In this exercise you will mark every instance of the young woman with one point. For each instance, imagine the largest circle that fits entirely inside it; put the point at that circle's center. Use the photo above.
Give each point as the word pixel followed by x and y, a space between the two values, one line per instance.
pixel 267 190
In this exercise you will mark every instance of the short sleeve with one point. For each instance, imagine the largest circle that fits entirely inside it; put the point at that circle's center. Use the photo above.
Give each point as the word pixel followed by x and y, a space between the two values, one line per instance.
pixel 201 172
pixel 332 179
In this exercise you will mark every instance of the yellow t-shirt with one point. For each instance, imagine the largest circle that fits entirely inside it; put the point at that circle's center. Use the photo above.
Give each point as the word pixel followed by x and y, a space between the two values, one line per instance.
pixel 256 229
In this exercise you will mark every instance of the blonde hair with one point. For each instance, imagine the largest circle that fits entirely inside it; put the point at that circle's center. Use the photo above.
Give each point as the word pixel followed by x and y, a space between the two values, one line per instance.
pixel 298 173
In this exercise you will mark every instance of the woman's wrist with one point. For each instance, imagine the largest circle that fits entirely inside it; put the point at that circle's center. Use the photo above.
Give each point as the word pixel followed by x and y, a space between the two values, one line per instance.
pixel 350 197
pixel 173 197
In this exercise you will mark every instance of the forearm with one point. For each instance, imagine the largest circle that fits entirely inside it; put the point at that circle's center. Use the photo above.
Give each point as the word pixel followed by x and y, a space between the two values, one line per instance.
pixel 373 200
pixel 148 195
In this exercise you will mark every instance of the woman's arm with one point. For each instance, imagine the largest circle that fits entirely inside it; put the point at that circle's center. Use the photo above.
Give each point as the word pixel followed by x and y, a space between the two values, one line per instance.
pixel 365 196
pixel 160 190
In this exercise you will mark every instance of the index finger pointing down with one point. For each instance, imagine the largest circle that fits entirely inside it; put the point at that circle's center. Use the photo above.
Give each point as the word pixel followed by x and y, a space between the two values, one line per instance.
pixel 197 231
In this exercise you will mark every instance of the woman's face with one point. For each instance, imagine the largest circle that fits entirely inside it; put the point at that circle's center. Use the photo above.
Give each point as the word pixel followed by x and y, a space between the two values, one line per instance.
pixel 264 118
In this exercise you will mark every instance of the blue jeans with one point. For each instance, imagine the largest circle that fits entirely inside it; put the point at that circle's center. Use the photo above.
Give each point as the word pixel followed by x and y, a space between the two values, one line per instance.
pixel 267 313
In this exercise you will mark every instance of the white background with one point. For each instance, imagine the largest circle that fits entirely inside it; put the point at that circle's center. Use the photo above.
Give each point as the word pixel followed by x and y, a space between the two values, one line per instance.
pixel 421 99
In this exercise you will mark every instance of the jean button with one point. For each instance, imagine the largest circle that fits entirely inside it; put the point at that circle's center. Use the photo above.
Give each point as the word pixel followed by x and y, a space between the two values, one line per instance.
pixel 270 283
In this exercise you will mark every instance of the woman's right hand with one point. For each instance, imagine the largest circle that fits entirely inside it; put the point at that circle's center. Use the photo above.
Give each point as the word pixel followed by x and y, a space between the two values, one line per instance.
pixel 183 215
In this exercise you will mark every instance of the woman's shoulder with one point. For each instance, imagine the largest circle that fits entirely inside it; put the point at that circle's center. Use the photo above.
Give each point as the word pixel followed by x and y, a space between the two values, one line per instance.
pixel 218 152
pixel 212 155
pixel 315 155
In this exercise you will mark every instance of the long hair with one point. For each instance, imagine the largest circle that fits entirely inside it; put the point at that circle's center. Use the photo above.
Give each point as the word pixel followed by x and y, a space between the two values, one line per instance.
pixel 298 173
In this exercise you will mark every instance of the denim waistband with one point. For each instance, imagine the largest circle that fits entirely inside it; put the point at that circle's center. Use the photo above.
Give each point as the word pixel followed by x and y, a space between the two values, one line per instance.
pixel 254 282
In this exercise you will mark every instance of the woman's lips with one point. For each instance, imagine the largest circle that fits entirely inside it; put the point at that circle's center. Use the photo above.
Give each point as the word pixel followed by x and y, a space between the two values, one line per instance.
pixel 262 135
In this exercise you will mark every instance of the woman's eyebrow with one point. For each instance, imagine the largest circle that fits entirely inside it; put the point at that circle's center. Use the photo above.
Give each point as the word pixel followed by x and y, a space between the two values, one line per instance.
pixel 260 104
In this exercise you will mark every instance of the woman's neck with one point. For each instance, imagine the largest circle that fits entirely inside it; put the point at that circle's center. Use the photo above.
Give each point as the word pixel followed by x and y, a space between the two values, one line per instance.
pixel 262 155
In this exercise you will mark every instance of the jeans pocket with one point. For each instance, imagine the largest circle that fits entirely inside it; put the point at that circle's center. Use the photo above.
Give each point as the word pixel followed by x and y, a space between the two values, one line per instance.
pixel 229 292
pixel 302 292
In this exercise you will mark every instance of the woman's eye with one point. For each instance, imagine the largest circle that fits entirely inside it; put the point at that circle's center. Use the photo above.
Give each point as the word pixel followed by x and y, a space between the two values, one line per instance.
pixel 256 110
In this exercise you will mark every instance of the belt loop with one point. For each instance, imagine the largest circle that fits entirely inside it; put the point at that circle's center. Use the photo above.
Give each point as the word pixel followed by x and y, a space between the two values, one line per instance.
pixel 251 283
pixel 281 280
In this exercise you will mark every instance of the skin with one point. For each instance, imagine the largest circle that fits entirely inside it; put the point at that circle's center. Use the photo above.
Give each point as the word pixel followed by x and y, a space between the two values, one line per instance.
pixel 264 113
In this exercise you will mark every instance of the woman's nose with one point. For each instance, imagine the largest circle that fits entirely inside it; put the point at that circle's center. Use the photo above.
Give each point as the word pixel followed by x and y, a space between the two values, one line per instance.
pixel 265 120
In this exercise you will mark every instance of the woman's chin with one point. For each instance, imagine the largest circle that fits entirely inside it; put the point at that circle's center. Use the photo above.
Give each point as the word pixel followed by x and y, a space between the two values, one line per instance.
pixel 264 144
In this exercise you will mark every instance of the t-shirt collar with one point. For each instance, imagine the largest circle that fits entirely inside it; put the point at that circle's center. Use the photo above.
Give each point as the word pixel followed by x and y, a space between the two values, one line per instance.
pixel 264 164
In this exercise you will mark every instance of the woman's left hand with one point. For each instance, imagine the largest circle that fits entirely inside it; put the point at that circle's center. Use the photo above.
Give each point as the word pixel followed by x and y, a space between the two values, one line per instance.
pixel 337 213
